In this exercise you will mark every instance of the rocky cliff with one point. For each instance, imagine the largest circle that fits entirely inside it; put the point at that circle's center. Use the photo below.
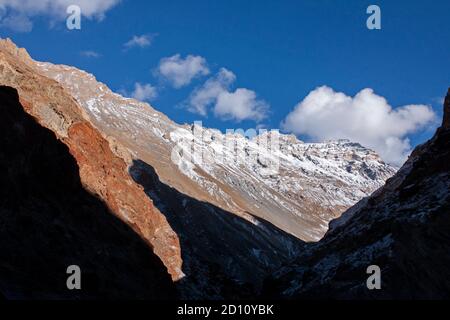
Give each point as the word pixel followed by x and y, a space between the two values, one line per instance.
pixel 49 221
pixel 103 164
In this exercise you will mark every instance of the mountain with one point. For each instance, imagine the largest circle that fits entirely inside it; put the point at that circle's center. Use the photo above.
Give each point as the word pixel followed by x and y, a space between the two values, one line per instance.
pixel 220 216
pixel 315 182
pixel 403 228
pixel 49 221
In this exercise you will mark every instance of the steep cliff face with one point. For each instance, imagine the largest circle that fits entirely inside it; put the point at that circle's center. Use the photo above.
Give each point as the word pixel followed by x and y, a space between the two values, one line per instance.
pixel 404 228
pixel 103 163
pixel 49 221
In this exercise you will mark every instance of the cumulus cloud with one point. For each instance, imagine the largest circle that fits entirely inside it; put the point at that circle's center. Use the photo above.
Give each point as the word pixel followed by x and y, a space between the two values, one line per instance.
pixel 206 95
pixel 366 118
pixel 180 72
pixel 17 14
pixel 242 104
pixel 144 92
pixel 142 41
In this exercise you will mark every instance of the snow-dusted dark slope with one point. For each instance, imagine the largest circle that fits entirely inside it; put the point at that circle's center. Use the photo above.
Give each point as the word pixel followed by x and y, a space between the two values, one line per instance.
pixel 404 228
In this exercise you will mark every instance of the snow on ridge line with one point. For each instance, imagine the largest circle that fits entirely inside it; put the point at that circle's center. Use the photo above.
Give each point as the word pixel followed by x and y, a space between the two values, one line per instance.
pixel 46 66
pixel 314 183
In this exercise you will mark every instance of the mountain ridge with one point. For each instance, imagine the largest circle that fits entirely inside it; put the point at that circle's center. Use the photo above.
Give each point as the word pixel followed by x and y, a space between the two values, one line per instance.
pixel 283 201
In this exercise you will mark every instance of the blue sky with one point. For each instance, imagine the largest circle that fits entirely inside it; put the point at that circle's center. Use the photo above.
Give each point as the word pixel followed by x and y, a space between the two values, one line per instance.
pixel 278 53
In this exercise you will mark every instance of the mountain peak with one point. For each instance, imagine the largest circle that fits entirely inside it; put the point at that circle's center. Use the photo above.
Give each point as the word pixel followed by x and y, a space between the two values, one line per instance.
pixel 9 46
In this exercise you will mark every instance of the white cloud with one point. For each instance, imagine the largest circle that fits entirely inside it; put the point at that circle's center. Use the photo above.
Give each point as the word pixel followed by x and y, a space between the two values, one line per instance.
pixel 142 41
pixel 90 54
pixel 242 104
pixel 366 118
pixel 206 95
pixel 144 92
pixel 180 72
pixel 17 14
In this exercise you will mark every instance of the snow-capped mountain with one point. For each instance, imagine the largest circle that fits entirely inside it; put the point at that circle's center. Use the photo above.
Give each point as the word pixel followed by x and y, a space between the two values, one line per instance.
pixel 313 183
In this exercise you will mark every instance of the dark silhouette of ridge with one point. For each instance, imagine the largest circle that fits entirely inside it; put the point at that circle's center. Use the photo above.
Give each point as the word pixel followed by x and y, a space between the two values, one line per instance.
pixel 48 221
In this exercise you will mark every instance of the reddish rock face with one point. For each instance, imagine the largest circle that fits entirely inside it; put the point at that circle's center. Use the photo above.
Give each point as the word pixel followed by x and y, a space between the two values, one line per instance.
pixel 105 174
pixel 103 170
pixel 49 221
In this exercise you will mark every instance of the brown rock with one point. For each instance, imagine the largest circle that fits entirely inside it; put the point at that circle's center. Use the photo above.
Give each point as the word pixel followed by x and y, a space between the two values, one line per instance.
pixel 48 222
pixel 102 172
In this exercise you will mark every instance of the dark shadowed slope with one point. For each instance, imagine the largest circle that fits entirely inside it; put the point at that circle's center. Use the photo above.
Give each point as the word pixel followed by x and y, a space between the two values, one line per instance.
pixel 404 228
pixel 48 221
pixel 224 255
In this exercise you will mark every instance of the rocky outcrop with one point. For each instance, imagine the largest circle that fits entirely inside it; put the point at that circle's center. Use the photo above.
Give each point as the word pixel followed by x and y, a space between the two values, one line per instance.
pixel 103 166
pixel 403 228
pixel 49 221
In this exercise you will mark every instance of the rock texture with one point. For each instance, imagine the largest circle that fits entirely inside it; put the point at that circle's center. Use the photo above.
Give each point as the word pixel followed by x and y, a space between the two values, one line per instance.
pixel 49 221
pixel 103 166
pixel 404 228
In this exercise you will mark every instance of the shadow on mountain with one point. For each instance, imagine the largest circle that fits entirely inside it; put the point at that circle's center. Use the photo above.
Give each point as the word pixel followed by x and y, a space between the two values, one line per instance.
pixel 48 222
pixel 224 255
